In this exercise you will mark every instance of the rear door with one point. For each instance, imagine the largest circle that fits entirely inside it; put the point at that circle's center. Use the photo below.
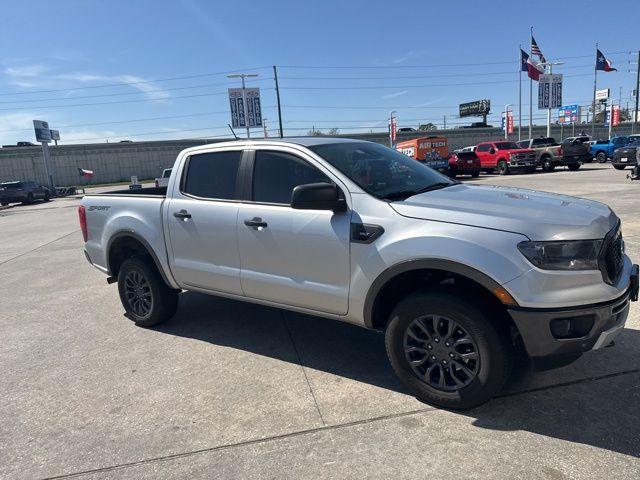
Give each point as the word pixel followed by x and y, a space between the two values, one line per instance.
pixel 201 221
pixel 297 257
pixel 486 159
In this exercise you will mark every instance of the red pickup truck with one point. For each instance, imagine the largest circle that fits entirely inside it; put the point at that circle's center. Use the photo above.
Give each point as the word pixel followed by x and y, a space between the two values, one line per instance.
pixel 505 156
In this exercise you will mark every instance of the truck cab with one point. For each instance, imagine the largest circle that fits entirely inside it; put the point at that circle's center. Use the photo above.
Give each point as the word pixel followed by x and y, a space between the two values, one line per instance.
pixel 505 156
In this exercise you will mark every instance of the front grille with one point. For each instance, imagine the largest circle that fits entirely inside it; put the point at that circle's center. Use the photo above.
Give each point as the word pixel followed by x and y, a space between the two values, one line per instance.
pixel 612 256
pixel 525 156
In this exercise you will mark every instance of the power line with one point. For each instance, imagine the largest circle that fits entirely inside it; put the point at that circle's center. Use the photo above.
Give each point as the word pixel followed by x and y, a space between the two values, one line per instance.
pixel 141 82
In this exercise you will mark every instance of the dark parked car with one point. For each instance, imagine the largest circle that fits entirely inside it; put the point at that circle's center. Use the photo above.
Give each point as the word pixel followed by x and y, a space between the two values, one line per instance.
pixel 627 155
pixel 464 163
pixel 575 152
pixel 25 192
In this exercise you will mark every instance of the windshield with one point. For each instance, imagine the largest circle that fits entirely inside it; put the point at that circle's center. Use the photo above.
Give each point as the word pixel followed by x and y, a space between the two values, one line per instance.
pixel 506 146
pixel 381 171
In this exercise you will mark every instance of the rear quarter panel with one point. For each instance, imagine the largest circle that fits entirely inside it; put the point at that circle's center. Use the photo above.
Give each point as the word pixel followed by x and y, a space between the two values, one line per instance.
pixel 112 215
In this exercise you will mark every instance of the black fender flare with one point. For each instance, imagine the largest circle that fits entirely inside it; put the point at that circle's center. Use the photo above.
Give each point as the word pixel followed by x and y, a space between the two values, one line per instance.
pixel 130 233
pixel 421 264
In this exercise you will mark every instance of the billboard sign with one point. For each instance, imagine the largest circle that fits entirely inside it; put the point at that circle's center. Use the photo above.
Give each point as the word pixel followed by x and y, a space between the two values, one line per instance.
pixel 475 109
pixel 43 134
pixel 602 95
pixel 246 110
pixel 568 114
pixel 550 91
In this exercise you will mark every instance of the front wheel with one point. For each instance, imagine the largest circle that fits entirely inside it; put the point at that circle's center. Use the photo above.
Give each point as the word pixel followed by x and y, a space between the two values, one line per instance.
pixel 503 168
pixel 547 164
pixel 601 157
pixel 145 297
pixel 447 350
pixel 475 174
pixel 619 167
pixel 573 166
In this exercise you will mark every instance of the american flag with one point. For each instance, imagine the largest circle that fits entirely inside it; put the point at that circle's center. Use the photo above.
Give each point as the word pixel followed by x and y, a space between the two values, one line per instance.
pixel 535 50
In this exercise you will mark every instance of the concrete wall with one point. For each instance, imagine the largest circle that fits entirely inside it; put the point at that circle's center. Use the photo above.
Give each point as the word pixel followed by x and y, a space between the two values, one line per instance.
pixel 117 162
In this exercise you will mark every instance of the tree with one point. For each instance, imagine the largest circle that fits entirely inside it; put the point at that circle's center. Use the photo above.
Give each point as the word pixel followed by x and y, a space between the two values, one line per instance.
pixel 425 127
pixel 314 133
pixel 333 132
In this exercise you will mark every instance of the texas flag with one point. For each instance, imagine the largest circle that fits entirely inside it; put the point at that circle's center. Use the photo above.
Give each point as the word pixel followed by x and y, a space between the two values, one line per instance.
pixel 533 69
pixel 602 63
pixel 85 173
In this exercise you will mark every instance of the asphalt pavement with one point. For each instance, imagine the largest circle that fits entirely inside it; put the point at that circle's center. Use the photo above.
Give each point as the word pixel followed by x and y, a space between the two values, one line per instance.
pixel 233 390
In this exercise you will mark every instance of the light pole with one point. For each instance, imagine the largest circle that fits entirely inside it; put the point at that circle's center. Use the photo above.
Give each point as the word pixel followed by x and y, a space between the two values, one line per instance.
pixel 244 96
pixel 550 65
pixel 506 121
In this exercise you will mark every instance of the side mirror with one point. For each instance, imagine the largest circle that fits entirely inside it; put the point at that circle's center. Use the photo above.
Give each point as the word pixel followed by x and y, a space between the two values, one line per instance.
pixel 317 196
pixel 492 151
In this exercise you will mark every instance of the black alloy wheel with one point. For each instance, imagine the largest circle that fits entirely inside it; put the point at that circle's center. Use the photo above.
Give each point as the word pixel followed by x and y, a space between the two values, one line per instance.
pixel 138 293
pixel 441 353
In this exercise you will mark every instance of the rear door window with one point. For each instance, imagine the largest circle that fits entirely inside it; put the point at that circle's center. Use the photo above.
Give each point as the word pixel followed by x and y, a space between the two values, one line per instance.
pixel 212 175
pixel 485 147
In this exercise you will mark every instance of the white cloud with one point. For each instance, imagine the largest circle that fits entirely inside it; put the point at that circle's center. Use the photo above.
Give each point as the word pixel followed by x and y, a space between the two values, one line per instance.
pixel 16 127
pixel 29 71
pixel 394 95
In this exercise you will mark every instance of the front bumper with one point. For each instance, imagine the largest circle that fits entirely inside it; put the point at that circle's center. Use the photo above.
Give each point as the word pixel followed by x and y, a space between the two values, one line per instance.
pixel 564 332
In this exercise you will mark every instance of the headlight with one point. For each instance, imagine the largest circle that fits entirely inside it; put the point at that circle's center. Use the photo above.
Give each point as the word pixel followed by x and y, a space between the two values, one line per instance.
pixel 565 255
pixel 512 156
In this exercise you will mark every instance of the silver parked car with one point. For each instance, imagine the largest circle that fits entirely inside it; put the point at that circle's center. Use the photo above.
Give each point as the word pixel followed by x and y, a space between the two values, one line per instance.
pixel 458 277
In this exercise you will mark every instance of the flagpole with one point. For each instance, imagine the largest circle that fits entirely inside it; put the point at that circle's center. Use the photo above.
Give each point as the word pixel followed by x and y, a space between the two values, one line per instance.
pixel 530 95
pixel 520 93
pixel 595 78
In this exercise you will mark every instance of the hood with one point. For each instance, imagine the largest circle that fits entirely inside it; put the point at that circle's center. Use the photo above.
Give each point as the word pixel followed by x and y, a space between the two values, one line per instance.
pixel 538 215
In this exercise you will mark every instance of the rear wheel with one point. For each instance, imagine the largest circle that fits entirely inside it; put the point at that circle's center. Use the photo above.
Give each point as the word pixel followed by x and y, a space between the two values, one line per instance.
pixel 619 167
pixel 4 204
pixel 446 350
pixel 573 166
pixel 601 157
pixel 145 297
pixel 547 164
pixel 46 197
pixel 503 168
pixel 475 174
pixel 29 199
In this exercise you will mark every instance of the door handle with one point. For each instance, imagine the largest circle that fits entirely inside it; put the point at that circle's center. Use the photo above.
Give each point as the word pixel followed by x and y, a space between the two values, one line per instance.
pixel 182 214
pixel 255 223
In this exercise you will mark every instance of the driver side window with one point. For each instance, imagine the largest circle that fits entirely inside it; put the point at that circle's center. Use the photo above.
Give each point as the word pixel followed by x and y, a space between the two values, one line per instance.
pixel 276 174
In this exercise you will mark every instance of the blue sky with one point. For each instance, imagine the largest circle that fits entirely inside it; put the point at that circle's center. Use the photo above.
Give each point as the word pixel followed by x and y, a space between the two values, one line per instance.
pixel 420 59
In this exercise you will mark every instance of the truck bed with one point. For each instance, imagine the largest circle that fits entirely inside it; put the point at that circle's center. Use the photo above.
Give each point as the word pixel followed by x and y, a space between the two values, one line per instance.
pixel 148 191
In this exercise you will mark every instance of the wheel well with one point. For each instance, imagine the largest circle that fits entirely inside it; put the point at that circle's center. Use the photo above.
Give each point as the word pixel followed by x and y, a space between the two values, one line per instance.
pixel 125 247
pixel 411 281
pixel 545 156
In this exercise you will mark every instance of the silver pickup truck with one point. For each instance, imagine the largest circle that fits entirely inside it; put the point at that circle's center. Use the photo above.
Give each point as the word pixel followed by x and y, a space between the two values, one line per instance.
pixel 459 278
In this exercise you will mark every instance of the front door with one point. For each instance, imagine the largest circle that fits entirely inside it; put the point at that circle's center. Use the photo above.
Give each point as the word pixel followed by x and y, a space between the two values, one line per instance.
pixel 292 257
pixel 201 220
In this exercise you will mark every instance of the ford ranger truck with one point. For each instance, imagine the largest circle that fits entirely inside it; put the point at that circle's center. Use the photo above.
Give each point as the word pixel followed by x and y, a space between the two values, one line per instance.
pixel 460 278
pixel 504 157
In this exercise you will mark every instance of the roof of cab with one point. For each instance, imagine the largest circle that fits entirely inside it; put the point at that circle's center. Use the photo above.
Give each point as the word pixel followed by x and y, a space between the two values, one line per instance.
pixel 303 141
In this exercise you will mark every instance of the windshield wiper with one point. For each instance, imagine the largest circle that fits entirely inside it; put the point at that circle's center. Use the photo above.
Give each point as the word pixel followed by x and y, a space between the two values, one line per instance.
pixel 404 194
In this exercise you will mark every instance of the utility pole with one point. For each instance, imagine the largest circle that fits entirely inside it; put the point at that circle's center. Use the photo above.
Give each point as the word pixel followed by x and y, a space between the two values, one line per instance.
pixel 244 96
pixel 595 80
pixel 275 77
pixel 264 128
pixel 444 121
pixel 635 112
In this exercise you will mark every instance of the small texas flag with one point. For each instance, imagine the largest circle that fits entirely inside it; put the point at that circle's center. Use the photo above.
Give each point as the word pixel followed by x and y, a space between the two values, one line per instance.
pixel 533 69
pixel 85 173
pixel 602 63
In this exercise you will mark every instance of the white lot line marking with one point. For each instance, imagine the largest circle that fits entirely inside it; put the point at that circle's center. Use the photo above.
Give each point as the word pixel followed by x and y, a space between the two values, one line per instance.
pixel 299 433
pixel 40 246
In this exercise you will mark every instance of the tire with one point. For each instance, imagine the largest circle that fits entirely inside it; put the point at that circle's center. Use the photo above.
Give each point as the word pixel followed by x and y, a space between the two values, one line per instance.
pixel 503 168
pixel 547 164
pixel 573 166
pixel 29 199
pixel 619 167
pixel 475 174
pixel 4 204
pixel 601 157
pixel 488 371
pixel 530 170
pixel 46 197
pixel 138 279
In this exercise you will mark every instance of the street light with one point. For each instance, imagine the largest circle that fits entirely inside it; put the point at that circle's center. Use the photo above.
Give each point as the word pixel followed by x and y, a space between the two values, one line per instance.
pixel 244 96
pixel 550 65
